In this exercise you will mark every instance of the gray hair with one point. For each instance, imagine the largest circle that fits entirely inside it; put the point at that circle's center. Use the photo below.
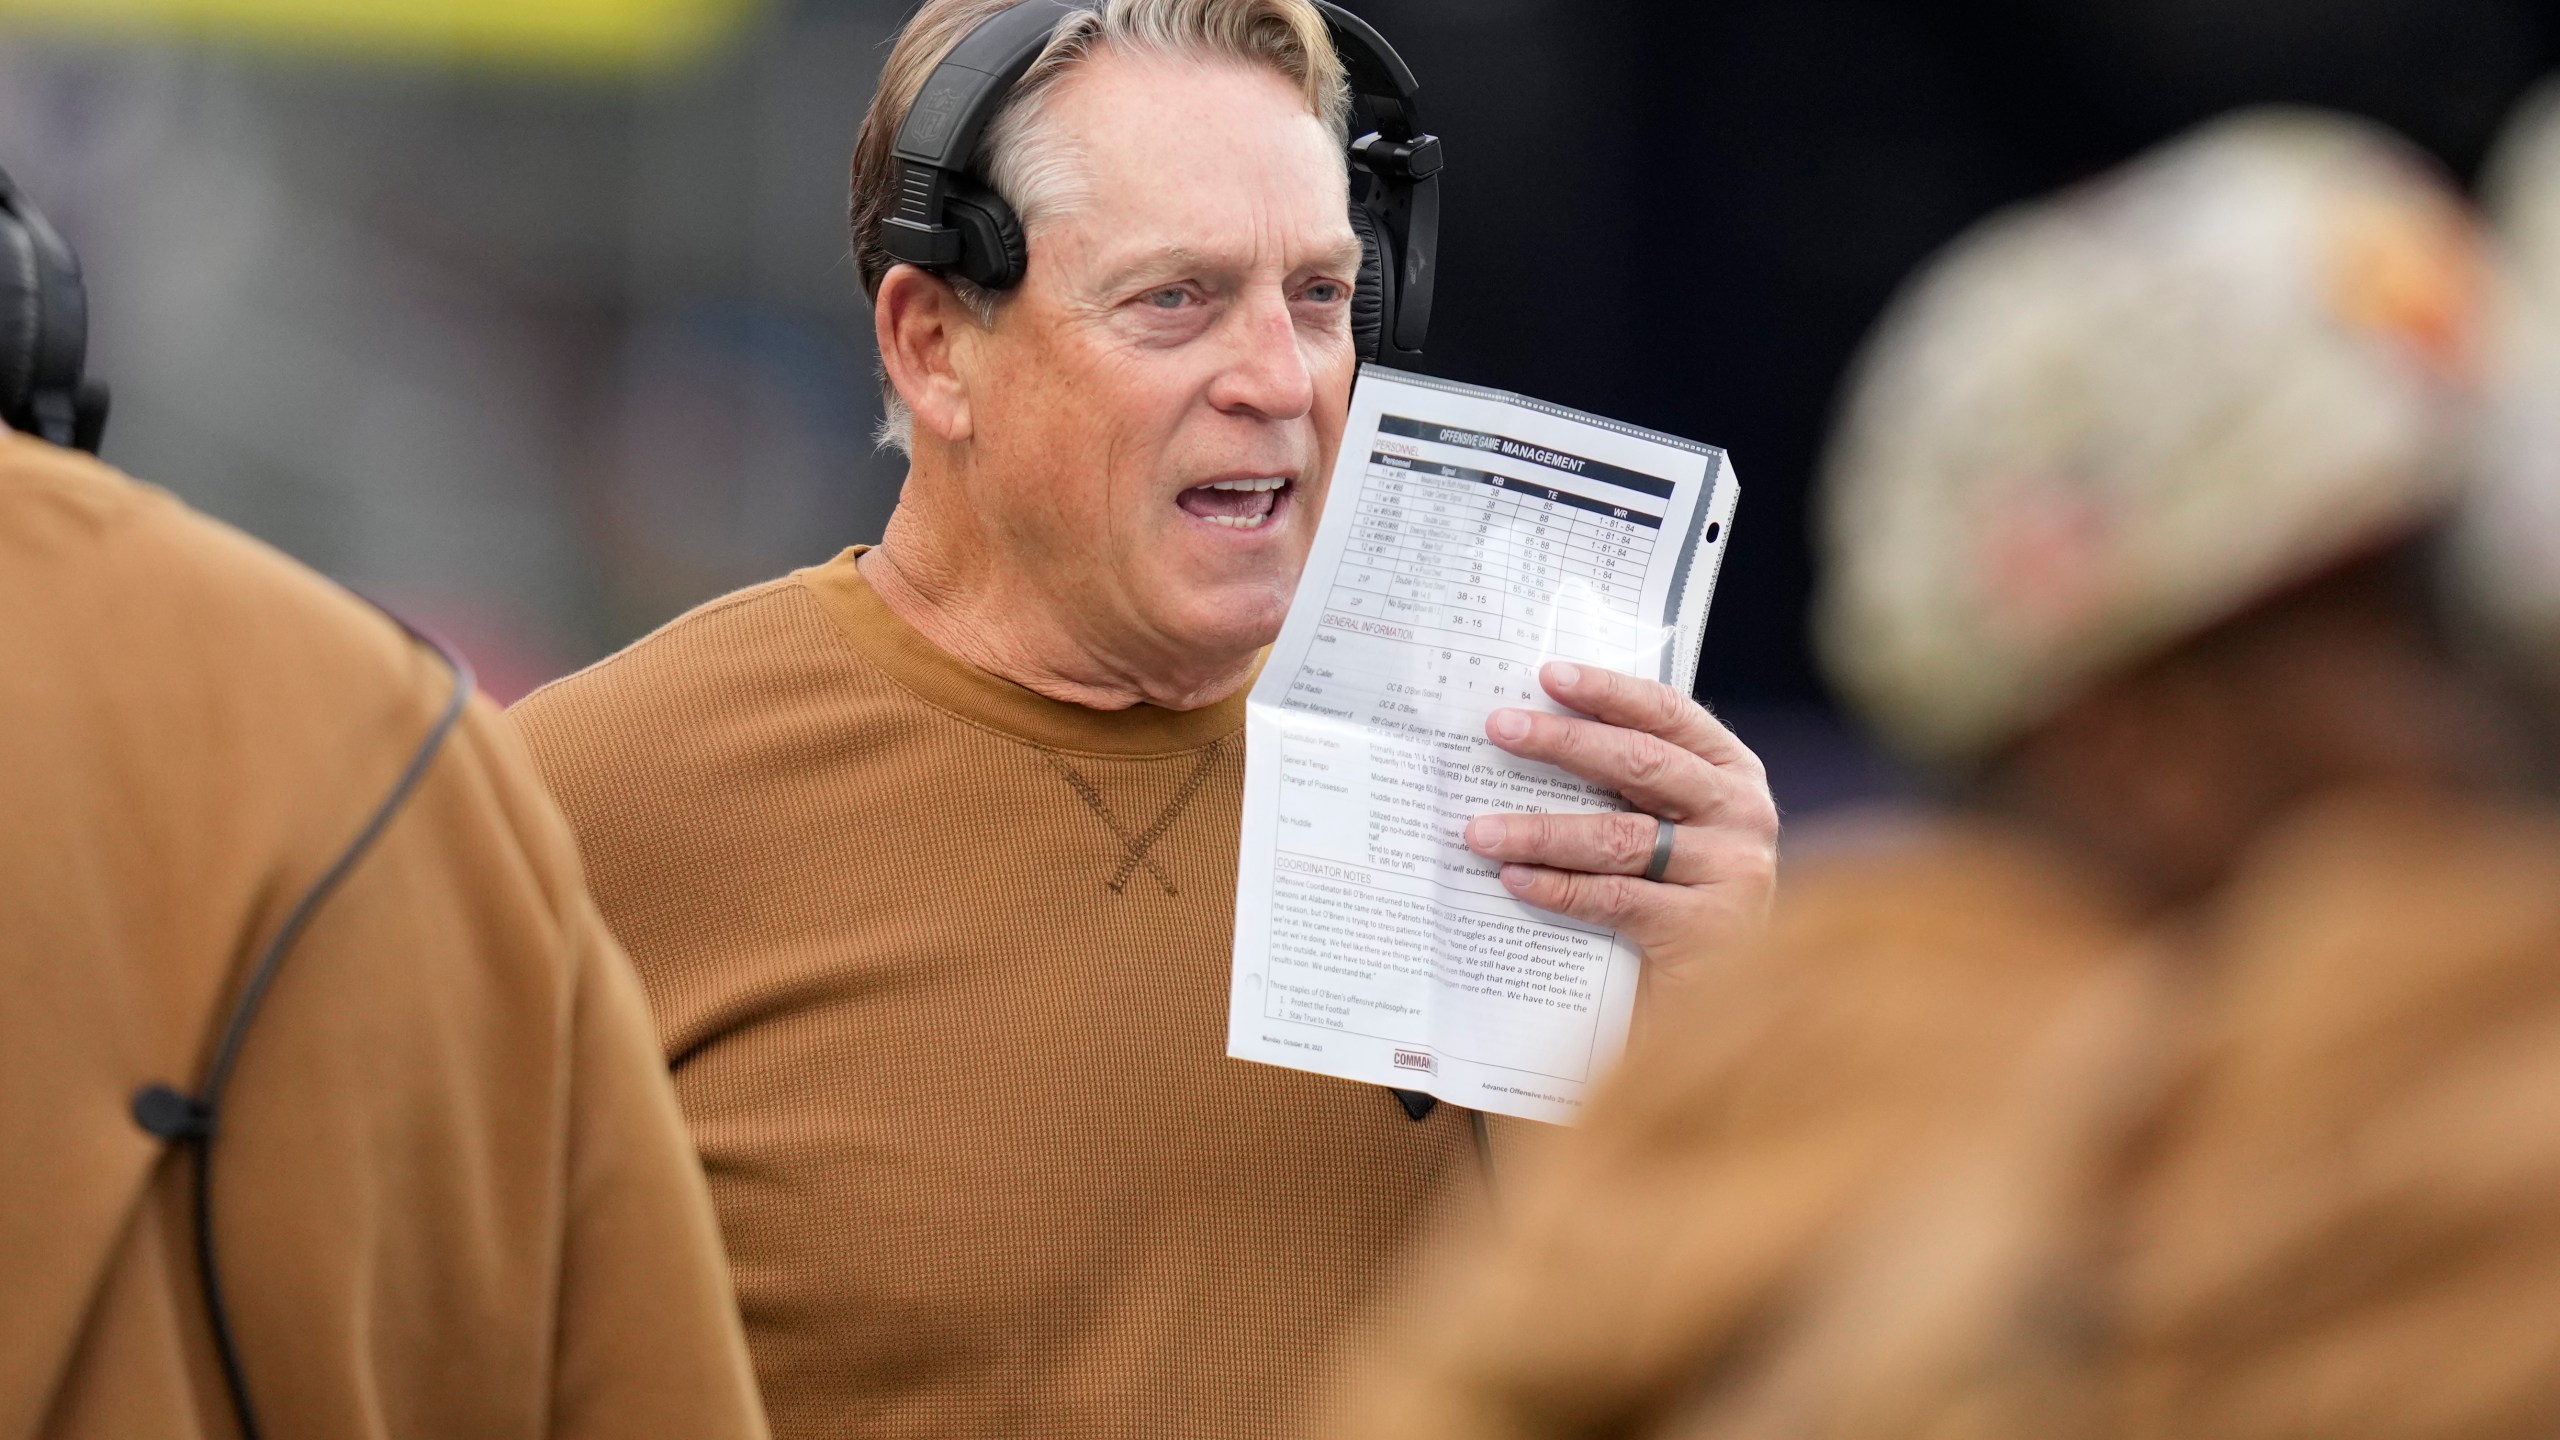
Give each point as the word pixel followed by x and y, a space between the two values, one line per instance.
pixel 1038 169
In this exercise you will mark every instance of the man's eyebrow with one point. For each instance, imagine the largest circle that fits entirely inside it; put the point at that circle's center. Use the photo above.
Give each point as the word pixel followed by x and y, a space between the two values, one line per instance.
pixel 1171 260
pixel 1183 260
pixel 1346 256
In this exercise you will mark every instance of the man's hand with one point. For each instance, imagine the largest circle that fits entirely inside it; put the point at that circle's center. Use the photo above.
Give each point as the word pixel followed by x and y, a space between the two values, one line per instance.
pixel 1671 759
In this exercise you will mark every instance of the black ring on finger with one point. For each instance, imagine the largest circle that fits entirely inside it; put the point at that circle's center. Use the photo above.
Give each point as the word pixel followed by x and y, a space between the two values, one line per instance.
pixel 1663 836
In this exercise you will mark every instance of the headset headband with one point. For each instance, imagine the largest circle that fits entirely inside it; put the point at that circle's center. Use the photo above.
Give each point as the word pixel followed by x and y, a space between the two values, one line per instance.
pixel 940 135
pixel 938 142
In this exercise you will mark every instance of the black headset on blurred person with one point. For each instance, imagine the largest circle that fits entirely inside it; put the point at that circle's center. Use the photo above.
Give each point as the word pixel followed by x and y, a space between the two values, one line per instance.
pixel 948 221
pixel 44 342
pixel 44 331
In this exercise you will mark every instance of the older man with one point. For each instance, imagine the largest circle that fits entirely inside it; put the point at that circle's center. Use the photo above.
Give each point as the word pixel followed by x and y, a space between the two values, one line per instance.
pixel 927 855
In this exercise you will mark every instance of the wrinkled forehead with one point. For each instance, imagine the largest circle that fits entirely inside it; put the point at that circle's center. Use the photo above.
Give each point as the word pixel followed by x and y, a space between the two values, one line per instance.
pixel 1220 160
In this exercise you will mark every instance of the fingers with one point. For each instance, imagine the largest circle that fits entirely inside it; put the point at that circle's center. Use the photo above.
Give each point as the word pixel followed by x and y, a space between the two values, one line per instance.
pixel 1611 843
pixel 1647 742
pixel 1621 844
pixel 1739 880
pixel 1615 902
pixel 1668 757
pixel 1648 706
pixel 1729 884
pixel 1653 774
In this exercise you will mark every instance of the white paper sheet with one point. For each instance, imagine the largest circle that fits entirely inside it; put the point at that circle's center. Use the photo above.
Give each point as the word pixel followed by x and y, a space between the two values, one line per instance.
pixel 1469 537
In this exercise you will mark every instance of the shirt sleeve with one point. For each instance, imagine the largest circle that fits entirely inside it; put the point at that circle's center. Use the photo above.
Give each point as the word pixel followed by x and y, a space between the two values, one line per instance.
pixel 649 1340
pixel 649 1335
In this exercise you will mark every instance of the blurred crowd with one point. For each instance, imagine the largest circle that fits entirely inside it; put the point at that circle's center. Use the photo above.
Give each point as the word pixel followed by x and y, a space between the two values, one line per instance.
pixel 2178 1056
pixel 468 336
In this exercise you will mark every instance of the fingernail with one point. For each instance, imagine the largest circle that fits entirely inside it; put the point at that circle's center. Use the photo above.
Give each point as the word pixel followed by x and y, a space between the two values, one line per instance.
pixel 1515 877
pixel 1510 724
pixel 1485 831
pixel 1565 674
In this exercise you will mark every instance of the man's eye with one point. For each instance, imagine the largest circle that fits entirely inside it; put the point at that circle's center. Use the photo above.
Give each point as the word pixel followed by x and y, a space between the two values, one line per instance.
pixel 1325 292
pixel 1172 297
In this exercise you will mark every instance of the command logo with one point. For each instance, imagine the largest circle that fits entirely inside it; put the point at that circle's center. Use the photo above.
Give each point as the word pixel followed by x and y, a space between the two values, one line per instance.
pixel 934 112
pixel 1415 1060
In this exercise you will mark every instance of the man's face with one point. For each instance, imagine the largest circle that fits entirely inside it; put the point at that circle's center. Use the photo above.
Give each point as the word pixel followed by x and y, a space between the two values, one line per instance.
pixel 1154 414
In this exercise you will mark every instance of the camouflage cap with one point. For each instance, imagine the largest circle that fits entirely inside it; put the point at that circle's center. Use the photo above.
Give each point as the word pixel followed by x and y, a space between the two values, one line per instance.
pixel 2101 423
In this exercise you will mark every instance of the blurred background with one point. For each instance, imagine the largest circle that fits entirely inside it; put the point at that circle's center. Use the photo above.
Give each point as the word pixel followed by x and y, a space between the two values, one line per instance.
pixel 533 318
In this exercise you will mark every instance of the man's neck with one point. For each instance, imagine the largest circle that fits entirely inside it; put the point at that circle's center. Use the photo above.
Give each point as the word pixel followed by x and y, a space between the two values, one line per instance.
pixel 1016 637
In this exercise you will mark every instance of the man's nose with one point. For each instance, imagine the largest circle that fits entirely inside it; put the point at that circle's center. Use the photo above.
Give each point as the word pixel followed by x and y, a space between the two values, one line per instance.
pixel 1266 374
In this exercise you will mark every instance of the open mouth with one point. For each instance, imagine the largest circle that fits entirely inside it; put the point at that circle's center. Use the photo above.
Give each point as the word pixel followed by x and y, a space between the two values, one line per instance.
pixel 1247 504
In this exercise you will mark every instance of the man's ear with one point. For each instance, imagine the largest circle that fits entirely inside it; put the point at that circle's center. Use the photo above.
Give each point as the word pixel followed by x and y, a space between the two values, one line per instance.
pixel 917 319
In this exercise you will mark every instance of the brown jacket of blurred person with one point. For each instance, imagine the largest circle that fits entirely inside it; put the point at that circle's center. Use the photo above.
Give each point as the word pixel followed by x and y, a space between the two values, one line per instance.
pixel 2204 1082
pixel 454 1195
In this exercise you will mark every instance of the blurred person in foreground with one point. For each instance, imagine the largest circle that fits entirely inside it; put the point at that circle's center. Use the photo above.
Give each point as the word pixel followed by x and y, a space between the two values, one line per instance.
pixel 2506 546
pixel 2199 1076
pixel 454 1195
pixel 927 855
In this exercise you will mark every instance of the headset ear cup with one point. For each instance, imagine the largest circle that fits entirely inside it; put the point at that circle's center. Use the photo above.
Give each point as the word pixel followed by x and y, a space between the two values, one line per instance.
pixel 1369 295
pixel 993 252
pixel 44 339
pixel 21 318
pixel 89 417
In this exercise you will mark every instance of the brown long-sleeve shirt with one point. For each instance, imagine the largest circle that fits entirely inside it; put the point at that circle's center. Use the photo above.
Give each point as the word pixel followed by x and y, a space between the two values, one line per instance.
pixel 942 966
pixel 453 1194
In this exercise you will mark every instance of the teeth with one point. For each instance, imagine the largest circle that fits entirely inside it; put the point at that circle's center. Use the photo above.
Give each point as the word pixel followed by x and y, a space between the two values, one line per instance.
pixel 1265 482
pixel 1237 522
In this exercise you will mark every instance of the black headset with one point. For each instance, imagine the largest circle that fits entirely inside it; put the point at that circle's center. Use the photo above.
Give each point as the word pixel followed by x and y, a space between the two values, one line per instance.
pixel 44 331
pixel 947 221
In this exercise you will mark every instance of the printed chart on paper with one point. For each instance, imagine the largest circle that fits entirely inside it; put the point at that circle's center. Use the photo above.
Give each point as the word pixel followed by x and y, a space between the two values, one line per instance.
pixel 1469 537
